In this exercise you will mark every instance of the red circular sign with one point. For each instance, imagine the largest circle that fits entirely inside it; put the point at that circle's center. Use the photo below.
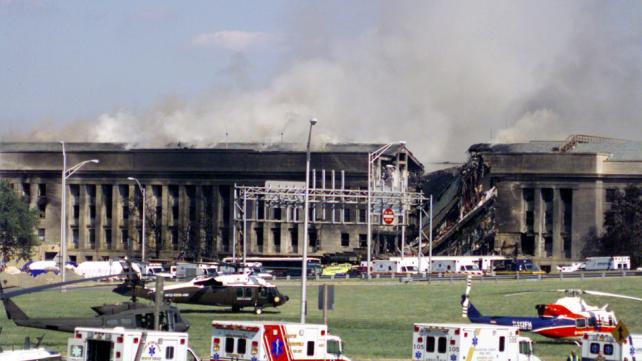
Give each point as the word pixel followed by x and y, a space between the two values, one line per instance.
pixel 388 216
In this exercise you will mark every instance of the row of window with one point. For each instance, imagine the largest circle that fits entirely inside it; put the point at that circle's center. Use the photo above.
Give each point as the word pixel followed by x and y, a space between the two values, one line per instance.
pixel 240 345
pixel 442 344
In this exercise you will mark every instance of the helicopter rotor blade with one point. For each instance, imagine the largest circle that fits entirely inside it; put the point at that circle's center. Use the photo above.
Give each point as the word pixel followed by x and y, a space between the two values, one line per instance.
pixel 615 295
pixel 54 285
pixel 520 293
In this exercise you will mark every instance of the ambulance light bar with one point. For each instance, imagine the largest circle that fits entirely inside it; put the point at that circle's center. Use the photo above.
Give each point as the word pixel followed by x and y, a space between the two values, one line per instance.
pixel 235 327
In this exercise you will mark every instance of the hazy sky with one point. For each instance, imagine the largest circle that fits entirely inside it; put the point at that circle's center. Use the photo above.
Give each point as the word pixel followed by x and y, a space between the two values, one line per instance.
pixel 441 75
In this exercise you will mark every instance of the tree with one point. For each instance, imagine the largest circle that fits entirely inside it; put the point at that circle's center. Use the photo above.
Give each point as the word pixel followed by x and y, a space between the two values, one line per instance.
pixel 17 225
pixel 622 227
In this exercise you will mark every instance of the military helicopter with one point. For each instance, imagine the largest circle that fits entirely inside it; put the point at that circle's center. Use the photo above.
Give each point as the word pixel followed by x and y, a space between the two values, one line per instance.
pixel 129 314
pixel 235 290
pixel 567 318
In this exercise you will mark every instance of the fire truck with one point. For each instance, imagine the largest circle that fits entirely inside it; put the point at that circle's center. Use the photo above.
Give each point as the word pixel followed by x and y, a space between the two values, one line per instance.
pixel 120 344
pixel 273 341
pixel 595 344
pixel 470 342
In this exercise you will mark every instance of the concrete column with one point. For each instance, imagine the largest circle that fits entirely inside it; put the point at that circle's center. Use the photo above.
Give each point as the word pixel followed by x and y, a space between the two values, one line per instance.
pixel 268 237
pixel 216 215
pixel 199 219
pixel 183 216
pixel 100 219
pixel 558 242
pixel 131 224
pixel 165 211
pixel 83 218
pixel 116 218
pixel 301 237
pixel 33 190
pixel 538 215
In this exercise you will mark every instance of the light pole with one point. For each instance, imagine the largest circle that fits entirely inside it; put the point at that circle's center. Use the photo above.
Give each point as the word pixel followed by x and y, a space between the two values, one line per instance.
pixel 372 157
pixel 142 191
pixel 306 212
pixel 66 173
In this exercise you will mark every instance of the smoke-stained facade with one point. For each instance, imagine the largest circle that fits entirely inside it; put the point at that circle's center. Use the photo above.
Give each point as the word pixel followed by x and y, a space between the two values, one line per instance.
pixel 552 195
pixel 189 196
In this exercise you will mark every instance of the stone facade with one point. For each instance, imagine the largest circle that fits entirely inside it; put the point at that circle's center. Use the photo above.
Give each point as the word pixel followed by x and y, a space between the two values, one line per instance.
pixel 551 196
pixel 189 197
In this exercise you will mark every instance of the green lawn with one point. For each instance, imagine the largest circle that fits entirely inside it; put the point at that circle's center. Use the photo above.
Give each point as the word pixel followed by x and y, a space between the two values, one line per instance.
pixel 374 319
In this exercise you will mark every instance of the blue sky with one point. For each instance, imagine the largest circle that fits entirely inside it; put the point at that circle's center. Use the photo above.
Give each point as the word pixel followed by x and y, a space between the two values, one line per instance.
pixel 440 74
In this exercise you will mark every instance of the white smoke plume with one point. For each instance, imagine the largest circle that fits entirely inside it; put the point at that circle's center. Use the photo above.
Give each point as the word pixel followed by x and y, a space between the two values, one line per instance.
pixel 439 75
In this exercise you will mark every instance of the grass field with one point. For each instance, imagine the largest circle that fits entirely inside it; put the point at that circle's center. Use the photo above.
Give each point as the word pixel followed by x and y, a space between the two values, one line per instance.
pixel 374 318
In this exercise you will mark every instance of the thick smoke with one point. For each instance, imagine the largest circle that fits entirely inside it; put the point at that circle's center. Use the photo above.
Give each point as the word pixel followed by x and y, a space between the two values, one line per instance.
pixel 440 75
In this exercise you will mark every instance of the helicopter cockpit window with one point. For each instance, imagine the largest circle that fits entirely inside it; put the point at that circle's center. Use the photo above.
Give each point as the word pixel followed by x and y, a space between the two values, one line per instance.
pixel 580 322
pixel 263 292
pixel 591 322
pixel 239 292
pixel 145 320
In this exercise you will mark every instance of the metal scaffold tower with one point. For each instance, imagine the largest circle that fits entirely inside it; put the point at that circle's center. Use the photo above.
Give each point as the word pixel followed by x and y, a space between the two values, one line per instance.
pixel 327 206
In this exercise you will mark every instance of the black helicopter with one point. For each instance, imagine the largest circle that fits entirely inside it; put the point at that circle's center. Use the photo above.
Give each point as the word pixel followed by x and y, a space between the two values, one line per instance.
pixel 234 290
pixel 129 314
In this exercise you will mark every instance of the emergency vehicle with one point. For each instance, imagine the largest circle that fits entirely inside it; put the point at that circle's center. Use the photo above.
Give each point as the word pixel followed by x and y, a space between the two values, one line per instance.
pixel 607 263
pixel 470 342
pixel 596 343
pixel 273 341
pixel 120 344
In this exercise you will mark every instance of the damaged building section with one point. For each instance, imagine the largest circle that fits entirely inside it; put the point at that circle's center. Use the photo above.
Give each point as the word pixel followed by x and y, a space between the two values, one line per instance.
pixel 540 199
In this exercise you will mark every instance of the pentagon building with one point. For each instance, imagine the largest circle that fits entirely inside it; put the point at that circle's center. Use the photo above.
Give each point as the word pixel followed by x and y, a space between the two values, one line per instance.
pixel 190 196
pixel 552 195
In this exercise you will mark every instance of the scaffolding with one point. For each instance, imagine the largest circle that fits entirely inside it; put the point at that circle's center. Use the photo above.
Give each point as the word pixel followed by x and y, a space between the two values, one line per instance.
pixel 327 206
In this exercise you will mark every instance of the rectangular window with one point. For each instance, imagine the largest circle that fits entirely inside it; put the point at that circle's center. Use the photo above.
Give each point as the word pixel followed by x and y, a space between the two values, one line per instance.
pixel 345 240
pixel 259 239
pixel 92 238
pixel 430 344
pixel 595 348
pixel 124 235
pixel 502 343
pixel 363 240
pixel 229 345
pixel 41 234
pixel 608 349
pixel 441 345
pixel 294 236
pixel 169 353
pixel 108 237
pixel 310 350
pixel 276 235
pixel 277 214
pixel 240 346
pixel 362 215
pixel 74 237
pixel 346 215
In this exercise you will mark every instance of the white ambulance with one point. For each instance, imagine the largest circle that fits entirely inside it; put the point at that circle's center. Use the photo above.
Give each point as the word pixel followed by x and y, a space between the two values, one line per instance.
pixel 120 344
pixel 600 343
pixel 273 341
pixel 470 342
